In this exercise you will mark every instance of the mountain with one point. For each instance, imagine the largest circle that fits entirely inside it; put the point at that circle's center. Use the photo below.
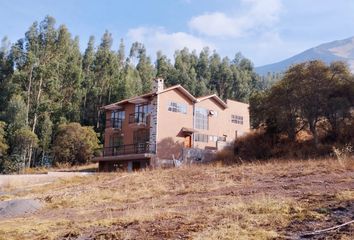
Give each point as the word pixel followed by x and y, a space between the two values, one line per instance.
pixel 340 50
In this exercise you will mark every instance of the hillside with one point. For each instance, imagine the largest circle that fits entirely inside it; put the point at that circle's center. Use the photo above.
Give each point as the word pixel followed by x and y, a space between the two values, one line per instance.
pixel 341 50
pixel 282 200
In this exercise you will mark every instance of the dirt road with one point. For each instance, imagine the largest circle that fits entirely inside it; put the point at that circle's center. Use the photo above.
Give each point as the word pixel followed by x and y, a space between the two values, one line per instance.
pixel 29 180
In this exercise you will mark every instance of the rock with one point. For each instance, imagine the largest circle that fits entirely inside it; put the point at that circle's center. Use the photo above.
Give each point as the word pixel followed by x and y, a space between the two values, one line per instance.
pixel 19 207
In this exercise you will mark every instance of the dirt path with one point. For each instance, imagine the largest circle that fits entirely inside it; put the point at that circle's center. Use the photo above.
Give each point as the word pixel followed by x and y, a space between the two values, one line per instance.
pixel 18 182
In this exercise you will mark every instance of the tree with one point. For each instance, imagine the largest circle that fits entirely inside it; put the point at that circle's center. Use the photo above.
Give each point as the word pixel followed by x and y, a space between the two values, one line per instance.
pixel 74 144
pixel 24 140
pixel 6 71
pixel 45 135
pixel 3 142
pixel 146 70
pixel 308 93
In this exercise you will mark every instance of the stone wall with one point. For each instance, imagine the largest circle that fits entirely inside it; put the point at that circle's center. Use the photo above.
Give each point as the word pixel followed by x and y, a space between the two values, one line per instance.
pixel 195 155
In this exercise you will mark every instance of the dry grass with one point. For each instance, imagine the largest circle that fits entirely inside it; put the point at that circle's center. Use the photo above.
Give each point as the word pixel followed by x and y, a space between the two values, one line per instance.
pixel 249 201
pixel 61 167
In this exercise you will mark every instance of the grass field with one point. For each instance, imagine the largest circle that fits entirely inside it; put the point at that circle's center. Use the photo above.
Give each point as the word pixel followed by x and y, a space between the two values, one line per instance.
pixel 273 200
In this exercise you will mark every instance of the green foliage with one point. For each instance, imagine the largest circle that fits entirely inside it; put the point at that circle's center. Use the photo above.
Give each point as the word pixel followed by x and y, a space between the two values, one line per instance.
pixel 15 114
pixel 74 144
pixel 3 143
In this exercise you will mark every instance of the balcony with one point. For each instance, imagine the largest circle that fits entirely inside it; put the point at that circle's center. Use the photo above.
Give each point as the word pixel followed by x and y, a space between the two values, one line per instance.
pixel 115 123
pixel 137 148
pixel 138 118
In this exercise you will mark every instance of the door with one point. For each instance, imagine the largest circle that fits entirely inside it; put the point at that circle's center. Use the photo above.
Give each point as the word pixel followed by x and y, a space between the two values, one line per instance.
pixel 188 141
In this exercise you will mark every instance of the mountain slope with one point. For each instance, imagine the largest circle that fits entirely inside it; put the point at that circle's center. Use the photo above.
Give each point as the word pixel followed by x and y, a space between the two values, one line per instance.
pixel 340 50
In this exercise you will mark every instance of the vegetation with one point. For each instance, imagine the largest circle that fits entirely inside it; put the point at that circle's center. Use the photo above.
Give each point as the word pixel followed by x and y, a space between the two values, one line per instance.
pixel 45 81
pixel 269 200
pixel 303 115
pixel 74 144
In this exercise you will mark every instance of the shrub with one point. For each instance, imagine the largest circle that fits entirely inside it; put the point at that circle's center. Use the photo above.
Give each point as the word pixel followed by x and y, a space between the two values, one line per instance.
pixel 259 145
pixel 74 144
pixel 255 145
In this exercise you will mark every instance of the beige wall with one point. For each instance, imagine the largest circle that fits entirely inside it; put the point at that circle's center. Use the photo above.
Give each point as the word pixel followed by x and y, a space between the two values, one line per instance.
pixel 241 109
pixel 169 124
pixel 221 124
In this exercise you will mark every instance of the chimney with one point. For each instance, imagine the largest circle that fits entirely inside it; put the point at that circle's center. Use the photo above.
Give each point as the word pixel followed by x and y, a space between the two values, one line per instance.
pixel 157 85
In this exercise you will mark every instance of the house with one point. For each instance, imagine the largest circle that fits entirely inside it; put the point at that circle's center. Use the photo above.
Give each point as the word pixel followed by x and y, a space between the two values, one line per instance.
pixel 155 127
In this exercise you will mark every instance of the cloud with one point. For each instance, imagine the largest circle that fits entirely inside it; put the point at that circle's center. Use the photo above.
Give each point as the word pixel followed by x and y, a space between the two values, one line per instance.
pixel 258 14
pixel 156 38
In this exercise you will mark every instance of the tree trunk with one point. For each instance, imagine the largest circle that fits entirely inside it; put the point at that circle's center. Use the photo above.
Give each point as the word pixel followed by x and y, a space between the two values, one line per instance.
pixel 29 94
pixel 35 119
pixel 313 130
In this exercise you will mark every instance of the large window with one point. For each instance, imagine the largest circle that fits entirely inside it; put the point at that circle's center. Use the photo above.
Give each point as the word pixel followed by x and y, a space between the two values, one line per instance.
pixel 198 137
pixel 237 119
pixel 142 108
pixel 177 107
pixel 140 114
pixel 117 119
pixel 201 118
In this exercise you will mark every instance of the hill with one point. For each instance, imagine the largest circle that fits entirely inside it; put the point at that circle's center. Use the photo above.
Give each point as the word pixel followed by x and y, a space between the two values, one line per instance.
pixel 340 50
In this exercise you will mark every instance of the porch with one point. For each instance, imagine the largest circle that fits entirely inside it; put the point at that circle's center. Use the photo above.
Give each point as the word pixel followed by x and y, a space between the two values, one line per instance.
pixel 129 157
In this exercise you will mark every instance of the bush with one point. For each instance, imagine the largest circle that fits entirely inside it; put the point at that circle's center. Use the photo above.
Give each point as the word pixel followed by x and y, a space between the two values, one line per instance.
pixel 255 145
pixel 74 144
pixel 259 145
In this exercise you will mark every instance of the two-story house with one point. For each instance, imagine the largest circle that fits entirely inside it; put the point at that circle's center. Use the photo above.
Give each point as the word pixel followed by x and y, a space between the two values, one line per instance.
pixel 148 129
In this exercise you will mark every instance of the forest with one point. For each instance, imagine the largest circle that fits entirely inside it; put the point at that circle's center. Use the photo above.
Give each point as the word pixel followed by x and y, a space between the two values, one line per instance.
pixel 51 91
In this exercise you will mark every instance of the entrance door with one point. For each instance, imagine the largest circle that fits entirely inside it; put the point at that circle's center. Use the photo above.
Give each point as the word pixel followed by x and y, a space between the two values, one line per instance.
pixel 136 165
pixel 188 141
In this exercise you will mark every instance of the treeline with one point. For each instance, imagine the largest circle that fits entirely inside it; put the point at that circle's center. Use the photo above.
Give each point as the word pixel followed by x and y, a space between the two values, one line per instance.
pixel 47 82
pixel 308 113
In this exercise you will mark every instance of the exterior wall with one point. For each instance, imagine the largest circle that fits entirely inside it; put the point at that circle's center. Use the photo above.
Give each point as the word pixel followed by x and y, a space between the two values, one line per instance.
pixel 170 139
pixel 221 124
pixel 241 109
pixel 217 126
pixel 127 131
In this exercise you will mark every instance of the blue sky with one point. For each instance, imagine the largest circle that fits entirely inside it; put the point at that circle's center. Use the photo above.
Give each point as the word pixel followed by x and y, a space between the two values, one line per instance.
pixel 265 31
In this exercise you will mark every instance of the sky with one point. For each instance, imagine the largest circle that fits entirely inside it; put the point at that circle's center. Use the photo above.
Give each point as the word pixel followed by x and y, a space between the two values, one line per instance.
pixel 265 31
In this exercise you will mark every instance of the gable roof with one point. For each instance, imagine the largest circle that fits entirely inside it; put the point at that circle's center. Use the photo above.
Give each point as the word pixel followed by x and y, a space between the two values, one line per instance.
pixel 215 97
pixel 132 99
pixel 141 98
pixel 182 90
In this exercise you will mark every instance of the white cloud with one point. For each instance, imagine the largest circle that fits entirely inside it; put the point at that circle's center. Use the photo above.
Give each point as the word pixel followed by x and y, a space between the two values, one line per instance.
pixel 156 38
pixel 258 14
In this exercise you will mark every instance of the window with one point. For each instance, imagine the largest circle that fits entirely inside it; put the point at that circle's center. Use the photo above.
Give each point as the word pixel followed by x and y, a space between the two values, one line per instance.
pixel 116 141
pixel 142 108
pixel 198 137
pixel 213 138
pixel 201 118
pixel 217 138
pixel 140 114
pixel 117 119
pixel 141 136
pixel 177 107
pixel 237 119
